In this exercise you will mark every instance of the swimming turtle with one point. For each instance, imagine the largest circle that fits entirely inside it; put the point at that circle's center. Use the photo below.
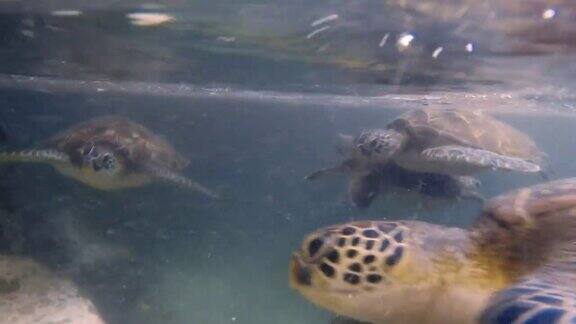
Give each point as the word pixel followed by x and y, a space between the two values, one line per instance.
pixel 516 264
pixel 387 178
pixel 456 142
pixel 31 293
pixel 450 141
pixel 108 153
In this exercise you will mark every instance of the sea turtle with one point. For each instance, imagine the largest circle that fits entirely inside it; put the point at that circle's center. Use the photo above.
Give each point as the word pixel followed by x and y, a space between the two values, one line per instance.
pixel 516 264
pixel 108 153
pixel 387 178
pixel 31 293
pixel 450 141
pixel 455 142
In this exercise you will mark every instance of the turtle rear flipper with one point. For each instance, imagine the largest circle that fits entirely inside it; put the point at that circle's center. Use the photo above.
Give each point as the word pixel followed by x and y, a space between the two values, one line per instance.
pixel 460 157
pixel 467 188
pixel 363 188
pixel 180 180
pixel 35 156
pixel 533 232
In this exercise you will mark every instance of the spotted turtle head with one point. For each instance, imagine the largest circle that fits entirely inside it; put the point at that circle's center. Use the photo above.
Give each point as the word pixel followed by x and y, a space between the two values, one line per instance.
pixel 343 267
pixel 378 145
pixel 100 158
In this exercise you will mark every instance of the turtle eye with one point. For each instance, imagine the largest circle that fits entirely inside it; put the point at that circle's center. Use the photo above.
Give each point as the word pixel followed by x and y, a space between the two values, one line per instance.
pixel 108 161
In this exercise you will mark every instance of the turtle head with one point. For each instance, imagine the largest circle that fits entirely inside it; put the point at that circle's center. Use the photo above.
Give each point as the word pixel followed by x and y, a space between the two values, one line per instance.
pixel 100 158
pixel 349 268
pixel 379 145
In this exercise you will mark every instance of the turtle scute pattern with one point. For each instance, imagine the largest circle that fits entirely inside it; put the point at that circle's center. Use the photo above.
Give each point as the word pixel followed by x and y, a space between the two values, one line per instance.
pixel 30 293
pixel 475 128
pixel 136 142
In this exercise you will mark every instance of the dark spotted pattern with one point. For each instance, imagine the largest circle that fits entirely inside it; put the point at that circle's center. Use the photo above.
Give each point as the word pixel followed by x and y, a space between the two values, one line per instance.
pixel 356 252
pixel 374 278
pixel 351 278
pixel 314 246
pixel 384 245
pixel 393 259
pixel 369 245
pixel 355 267
pixel 387 227
pixel 334 256
pixel 369 259
pixel 351 253
pixel 348 231
pixel 370 233
pixel 327 270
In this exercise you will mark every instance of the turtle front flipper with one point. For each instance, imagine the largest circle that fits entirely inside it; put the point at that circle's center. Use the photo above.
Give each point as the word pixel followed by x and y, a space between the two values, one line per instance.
pixel 342 168
pixel 535 300
pixel 466 160
pixel 531 233
pixel 35 156
pixel 363 188
pixel 323 173
pixel 180 180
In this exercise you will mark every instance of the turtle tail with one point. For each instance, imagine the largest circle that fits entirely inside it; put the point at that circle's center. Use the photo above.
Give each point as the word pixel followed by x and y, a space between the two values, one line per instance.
pixel 38 156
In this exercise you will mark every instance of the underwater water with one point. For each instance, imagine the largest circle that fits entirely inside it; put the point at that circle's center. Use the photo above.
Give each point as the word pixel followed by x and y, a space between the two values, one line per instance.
pixel 254 116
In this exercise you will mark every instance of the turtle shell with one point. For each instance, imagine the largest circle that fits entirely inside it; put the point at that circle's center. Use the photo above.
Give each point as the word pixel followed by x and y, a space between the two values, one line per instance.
pixel 135 142
pixel 431 127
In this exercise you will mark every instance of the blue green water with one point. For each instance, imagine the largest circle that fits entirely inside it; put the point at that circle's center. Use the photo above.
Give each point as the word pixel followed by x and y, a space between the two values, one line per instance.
pixel 254 123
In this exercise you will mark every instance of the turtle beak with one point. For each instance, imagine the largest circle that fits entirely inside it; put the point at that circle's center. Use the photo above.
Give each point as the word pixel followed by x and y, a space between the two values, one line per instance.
pixel 300 274
pixel 87 160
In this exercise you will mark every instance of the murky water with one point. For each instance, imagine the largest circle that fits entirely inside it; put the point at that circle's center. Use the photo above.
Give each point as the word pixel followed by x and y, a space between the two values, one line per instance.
pixel 255 95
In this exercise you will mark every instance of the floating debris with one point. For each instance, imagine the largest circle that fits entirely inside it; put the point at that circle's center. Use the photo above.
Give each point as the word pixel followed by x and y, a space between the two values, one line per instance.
pixel 324 20
pixel 548 14
pixel 66 13
pixel 226 39
pixel 149 18
pixel 28 33
pixel 316 32
pixel 437 52
pixel 323 48
pixel 404 41
pixel 384 40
